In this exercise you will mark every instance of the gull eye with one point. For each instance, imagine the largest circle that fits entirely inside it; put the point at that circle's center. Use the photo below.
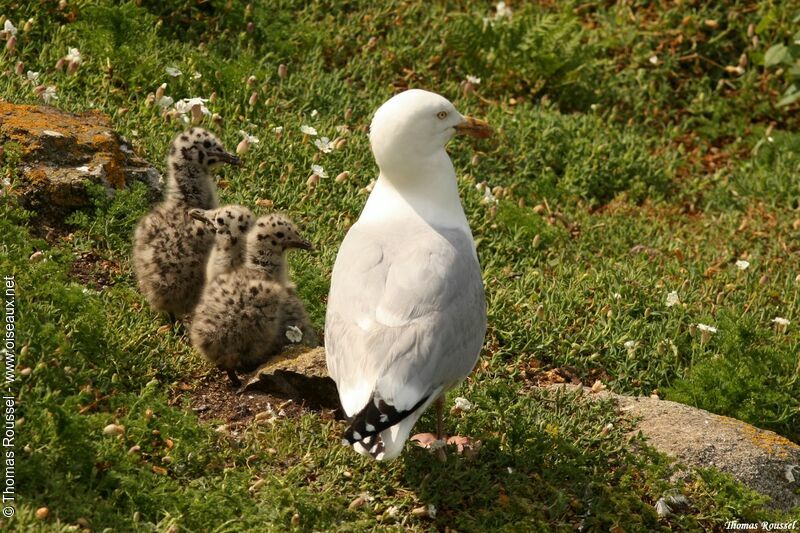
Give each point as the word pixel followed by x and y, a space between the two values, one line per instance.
pixel 220 221
pixel 442 115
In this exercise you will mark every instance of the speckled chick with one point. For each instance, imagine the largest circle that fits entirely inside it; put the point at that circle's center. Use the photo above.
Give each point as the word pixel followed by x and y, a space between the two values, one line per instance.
pixel 237 323
pixel 230 225
pixel 171 248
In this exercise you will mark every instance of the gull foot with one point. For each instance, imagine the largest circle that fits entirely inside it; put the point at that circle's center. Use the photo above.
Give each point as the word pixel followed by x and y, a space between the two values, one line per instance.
pixel 466 446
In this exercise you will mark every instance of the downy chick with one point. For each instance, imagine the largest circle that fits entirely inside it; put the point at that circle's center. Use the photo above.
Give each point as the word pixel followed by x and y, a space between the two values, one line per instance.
pixel 230 224
pixel 171 248
pixel 238 323
pixel 296 325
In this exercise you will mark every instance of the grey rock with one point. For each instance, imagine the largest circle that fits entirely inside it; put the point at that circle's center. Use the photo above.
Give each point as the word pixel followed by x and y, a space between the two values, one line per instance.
pixel 300 373
pixel 757 458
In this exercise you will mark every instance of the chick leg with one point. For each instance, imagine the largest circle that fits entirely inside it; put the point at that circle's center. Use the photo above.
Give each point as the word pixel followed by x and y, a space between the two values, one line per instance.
pixel 235 381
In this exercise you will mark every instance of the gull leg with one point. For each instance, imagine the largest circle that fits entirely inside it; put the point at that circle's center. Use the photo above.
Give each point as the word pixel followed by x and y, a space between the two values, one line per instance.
pixel 440 452
pixel 439 417
pixel 466 446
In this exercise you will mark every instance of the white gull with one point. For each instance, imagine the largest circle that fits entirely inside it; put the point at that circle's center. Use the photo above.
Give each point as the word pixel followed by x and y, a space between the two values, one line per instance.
pixel 406 311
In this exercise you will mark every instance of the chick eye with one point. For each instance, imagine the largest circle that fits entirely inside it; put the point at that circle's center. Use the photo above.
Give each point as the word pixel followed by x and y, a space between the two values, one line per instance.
pixel 442 115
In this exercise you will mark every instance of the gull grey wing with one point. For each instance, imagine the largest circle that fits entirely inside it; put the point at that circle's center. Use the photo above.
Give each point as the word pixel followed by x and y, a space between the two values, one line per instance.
pixel 410 324
pixel 357 283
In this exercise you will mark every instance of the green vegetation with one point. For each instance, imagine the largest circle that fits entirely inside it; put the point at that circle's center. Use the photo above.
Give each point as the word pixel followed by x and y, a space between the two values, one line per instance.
pixel 640 150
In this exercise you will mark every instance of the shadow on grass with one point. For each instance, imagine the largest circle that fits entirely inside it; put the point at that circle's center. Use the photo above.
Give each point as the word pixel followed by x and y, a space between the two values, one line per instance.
pixel 549 459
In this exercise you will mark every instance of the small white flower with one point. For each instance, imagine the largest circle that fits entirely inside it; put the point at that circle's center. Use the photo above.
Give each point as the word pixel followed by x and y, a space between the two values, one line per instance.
pixel 630 345
pixel 49 94
pixel 314 113
pixel 278 129
pixel 197 75
pixel 294 334
pixel 318 171
pixel 73 56
pixel 173 71
pixel 741 264
pixel 617 296
pixel 662 509
pixel 463 404
pixel 503 10
pixel 473 80
pixel 488 197
pixel 32 76
pixel 249 138
pixel 308 130
pixel 672 299
pixel 9 28
pixel 653 59
pixel 324 144
pixel 185 105
pixel 780 321
pixel 165 101
pixel 706 332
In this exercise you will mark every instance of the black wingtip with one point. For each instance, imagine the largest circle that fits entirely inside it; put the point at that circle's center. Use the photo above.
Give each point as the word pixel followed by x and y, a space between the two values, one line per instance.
pixel 375 417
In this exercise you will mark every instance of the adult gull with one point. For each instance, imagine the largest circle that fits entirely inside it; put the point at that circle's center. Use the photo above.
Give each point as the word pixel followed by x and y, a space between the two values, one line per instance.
pixel 406 311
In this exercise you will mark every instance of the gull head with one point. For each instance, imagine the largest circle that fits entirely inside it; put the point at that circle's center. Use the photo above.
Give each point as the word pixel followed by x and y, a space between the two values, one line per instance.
pixel 199 148
pixel 416 125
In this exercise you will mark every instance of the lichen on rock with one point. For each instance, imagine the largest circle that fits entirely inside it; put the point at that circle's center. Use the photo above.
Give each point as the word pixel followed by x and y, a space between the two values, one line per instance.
pixel 57 154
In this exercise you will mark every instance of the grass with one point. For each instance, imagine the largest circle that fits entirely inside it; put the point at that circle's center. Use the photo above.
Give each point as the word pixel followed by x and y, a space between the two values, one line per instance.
pixel 628 163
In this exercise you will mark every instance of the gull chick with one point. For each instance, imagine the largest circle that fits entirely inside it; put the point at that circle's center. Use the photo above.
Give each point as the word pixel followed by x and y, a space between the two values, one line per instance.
pixel 238 323
pixel 230 224
pixel 171 248
pixel 406 311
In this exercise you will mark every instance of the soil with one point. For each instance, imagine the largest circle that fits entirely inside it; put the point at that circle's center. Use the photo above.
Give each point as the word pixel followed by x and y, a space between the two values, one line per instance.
pixel 535 373
pixel 213 398
pixel 93 271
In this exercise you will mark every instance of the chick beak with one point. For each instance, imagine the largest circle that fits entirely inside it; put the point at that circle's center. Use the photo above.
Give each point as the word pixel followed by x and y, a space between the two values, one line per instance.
pixel 474 127
pixel 302 244
pixel 199 214
pixel 228 158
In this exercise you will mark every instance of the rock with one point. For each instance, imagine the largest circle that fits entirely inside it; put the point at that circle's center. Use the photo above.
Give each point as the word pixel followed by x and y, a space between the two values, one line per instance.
pixel 757 458
pixel 58 153
pixel 300 373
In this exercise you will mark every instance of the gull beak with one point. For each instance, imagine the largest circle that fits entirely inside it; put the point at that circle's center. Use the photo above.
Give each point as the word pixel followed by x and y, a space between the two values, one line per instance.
pixel 474 128
pixel 228 158
pixel 302 244
pixel 199 214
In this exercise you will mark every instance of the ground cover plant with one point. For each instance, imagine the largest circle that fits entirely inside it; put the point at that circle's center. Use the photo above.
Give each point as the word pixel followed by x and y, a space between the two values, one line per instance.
pixel 643 183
